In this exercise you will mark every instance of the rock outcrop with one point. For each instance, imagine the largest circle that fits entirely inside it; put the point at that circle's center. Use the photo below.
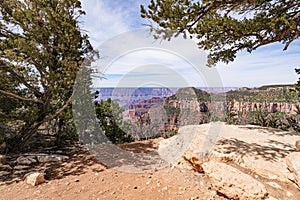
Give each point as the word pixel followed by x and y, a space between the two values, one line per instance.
pixel 293 164
pixel 261 152
pixel 233 183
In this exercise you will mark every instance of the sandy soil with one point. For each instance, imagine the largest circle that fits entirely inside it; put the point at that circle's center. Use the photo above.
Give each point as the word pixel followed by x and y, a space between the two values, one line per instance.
pixel 84 177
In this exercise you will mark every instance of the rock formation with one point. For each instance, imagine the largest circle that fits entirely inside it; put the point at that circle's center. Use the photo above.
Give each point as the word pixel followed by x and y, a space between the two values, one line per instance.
pixel 233 183
pixel 293 164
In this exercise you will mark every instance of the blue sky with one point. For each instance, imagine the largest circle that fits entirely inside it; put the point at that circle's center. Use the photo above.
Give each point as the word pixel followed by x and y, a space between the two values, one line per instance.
pixel 133 58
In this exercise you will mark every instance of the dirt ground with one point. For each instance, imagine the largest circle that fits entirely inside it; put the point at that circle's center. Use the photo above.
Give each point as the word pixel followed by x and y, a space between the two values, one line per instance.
pixel 83 177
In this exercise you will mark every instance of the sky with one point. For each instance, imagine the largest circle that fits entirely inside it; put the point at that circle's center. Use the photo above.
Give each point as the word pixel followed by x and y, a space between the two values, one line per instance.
pixel 130 57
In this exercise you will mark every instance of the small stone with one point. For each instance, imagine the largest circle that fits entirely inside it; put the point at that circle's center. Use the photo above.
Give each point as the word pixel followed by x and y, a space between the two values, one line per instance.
pixel 297 144
pixel 274 185
pixel 16 180
pixel 35 178
pixel 2 159
pixel 165 188
pixel 289 194
pixel 135 187
pixel 18 172
pixel 25 160
pixel 20 167
pixel 5 167
pixel 4 173
pixel 148 182
pixel 76 180
pixel 51 158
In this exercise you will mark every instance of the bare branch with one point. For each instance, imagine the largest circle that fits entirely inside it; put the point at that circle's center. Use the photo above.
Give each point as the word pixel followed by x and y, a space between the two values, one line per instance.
pixel 12 95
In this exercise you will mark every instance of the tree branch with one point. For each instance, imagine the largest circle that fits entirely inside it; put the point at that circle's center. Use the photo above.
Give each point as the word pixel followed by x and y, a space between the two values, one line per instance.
pixel 62 108
pixel 22 80
pixel 291 40
pixel 12 95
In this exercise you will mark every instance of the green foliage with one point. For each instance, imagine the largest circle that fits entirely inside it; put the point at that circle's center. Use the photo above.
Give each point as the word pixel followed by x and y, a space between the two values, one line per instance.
pixel 280 93
pixel 110 118
pixel 170 133
pixel 172 111
pixel 226 27
pixel 298 83
pixel 190 93
pixel 232 117
pixel 276 120
pixel 42 49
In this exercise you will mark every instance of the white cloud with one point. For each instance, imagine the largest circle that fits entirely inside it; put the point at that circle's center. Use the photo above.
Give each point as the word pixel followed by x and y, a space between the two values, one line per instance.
pixel 265 66
pixel 135 50
pixel 107 21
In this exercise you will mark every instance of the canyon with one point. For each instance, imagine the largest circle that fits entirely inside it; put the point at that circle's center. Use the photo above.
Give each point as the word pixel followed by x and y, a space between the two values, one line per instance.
pixel 191 106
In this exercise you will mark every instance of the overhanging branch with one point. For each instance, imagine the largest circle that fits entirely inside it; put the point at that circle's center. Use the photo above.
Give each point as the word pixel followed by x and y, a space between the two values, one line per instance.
pixel 12 95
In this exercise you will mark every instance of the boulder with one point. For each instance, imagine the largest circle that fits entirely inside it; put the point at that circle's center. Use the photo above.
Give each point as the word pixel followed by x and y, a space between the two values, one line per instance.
pixel 233 183
pixel 34 178
pixel 293 165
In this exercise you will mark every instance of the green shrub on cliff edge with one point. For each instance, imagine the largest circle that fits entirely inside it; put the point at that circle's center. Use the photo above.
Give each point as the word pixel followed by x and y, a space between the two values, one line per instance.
pixel 110 118
pixel 277 120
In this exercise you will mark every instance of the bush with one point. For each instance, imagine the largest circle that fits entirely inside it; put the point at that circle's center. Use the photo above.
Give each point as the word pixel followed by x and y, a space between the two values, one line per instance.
pixel 232 117
pixel 170 133
pixel 110 118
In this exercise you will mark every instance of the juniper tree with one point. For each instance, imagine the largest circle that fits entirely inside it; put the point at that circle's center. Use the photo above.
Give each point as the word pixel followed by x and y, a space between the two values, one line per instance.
pixel 41 50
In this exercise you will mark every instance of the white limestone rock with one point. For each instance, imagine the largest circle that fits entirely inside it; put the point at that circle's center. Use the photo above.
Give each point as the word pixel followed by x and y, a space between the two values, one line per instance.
pixel 293 165
pixel 35 178
pixel 233 183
